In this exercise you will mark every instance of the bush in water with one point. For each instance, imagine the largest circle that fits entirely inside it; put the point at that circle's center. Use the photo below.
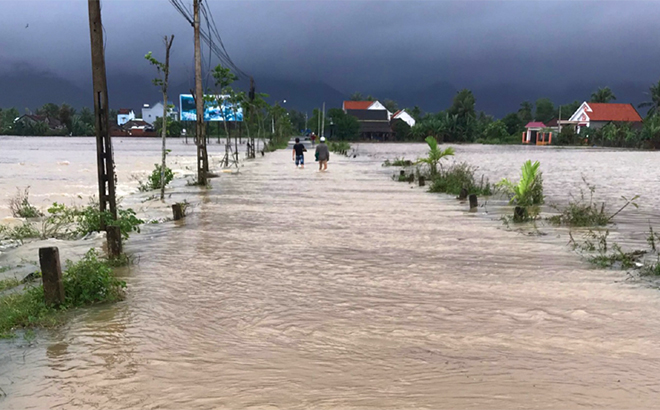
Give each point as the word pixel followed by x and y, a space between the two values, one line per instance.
pixel 87 281
pixel 527 194
pixel 20 206
pixel 456 178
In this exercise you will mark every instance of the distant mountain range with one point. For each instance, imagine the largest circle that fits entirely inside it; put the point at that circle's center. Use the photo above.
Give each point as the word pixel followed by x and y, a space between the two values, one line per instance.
pixel 29 90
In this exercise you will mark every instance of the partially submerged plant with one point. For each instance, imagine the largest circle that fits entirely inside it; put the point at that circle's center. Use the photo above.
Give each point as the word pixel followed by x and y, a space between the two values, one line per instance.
pixel 398 162
pixel 460 177
pixel 527 194
pixel 20 205
pixel 435 155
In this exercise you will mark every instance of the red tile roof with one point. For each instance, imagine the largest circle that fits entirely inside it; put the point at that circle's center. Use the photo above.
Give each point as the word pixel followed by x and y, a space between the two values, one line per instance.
pixel 357 105
pixel 613 112
pixel 396 113
pixel 536 124
pixel 124 111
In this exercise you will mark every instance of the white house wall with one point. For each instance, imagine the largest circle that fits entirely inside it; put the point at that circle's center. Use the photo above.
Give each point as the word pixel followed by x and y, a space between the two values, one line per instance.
pixel 407 118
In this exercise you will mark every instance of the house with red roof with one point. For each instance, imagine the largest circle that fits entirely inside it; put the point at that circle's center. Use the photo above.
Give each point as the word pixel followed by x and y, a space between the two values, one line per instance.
pixel 376 122
pixel 537 133
pixel 596 115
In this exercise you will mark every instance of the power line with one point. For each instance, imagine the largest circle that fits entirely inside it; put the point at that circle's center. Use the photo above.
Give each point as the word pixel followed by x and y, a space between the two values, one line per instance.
pixel 211 36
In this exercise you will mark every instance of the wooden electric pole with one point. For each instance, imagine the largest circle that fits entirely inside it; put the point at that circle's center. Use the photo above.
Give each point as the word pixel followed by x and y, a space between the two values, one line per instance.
pixel 202 157
pixel 105 161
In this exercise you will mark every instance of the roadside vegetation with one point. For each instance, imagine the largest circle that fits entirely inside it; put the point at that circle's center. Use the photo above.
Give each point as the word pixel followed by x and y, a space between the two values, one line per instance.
pixel 68 222
pixel 339 147
pixel 153 181
pixel 527 193
pixel 86 282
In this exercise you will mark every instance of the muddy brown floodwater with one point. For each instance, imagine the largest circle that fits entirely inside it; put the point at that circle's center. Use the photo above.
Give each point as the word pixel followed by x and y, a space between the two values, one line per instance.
pixel 293 289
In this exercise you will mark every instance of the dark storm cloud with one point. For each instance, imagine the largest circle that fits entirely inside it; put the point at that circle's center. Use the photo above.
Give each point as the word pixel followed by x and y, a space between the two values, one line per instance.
pixel 356 45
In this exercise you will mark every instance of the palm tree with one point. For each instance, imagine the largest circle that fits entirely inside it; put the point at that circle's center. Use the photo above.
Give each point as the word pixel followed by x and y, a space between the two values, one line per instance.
pixel 356 96
pixel 435 155
pixel 603 95
pixel 654 104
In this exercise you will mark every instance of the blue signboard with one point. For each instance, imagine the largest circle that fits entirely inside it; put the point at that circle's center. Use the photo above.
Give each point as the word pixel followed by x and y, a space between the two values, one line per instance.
pixel 212 111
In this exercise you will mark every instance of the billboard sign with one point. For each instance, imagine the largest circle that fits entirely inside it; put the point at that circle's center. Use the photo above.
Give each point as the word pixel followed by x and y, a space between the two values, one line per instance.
pixel 212 111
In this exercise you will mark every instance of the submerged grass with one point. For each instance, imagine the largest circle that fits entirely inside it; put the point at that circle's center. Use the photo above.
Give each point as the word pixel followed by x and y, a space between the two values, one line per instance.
pixel 398 162
pixel 8 283
pixel 458 177
pixel 86 282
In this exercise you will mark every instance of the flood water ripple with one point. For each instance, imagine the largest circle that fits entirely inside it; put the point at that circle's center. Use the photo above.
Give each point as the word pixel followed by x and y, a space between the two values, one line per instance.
pixel 293 289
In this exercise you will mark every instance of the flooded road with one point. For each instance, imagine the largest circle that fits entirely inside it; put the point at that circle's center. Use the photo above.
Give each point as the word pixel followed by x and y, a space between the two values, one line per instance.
pixel 293 289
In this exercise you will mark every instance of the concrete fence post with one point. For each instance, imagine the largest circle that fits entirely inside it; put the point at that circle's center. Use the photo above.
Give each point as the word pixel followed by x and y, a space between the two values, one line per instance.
pixel 51 275
pixel 473 201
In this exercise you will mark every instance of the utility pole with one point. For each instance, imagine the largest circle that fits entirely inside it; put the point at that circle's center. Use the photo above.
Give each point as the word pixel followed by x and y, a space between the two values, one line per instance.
pixel 104 157
pixel 202 156
pixel 323 122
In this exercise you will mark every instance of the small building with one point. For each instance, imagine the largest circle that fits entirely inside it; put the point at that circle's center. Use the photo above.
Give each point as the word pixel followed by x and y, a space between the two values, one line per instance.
pixel 150 113
pixel 403 116
pixel 31 120
pixel 374 124
pixel 138 128
pixel 537 133
pixel 596 115
pixel 125 115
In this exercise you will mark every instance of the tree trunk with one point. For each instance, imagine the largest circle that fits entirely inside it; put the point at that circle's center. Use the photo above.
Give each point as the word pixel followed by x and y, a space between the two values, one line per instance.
pixel 168 45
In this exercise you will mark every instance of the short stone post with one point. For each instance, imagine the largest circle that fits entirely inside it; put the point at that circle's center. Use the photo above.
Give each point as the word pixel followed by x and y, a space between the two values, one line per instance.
pixel 463 195
pixel 473 201
pixel 51 275
pixel 422 180
pixel 411 178
pixel 114 241
pixel 177 211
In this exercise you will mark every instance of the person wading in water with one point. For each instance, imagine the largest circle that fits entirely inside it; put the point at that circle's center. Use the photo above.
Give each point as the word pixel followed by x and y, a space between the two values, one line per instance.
pixel 298 153
pixel 322 155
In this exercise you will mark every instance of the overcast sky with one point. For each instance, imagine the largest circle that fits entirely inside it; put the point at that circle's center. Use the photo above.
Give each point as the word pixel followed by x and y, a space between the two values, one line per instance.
pixel 352 45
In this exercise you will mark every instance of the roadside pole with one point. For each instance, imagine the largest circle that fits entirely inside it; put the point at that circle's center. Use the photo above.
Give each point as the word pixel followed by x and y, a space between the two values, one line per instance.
pixel 105 160
pixel 202 157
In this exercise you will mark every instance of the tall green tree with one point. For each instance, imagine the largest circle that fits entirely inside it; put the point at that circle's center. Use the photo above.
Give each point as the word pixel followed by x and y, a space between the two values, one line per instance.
pixel 86 116
pixel 65 115
pixel 525 112
pixel 344 127
pixel 654 100
pixel 603 95
pixel 162 82
pixel 545 110
pixel 567 110
pixel 223 79
pixel 513 123
pixel 391 105
pixel 356 96
pixel 49 110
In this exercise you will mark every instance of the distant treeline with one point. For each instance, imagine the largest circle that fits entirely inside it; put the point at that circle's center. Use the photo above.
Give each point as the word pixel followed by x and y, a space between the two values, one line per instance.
pixel 48 120
pixel 462 123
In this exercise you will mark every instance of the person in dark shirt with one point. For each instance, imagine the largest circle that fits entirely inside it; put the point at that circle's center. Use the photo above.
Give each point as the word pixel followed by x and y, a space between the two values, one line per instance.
pixel 297 153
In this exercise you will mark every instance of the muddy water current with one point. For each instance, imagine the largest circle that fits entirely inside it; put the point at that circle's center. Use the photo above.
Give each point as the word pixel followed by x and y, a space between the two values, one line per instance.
pixel 294 289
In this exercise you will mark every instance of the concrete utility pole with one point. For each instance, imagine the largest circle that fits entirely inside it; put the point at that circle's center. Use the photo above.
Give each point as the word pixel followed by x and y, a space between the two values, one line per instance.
pixel 105 160
pixel 323 122
pixel 202 156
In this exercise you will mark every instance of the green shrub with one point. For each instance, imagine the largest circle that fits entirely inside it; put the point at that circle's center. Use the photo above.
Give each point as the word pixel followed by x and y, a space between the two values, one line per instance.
pixel 24 309
pixel 90 280
pixel 459 176
pixel 20 206
pixel 340 147
pixel 8 283
pixel 398 162
pixel 153 181
pixel 87 281
pixel 67 222
pixel 24 231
